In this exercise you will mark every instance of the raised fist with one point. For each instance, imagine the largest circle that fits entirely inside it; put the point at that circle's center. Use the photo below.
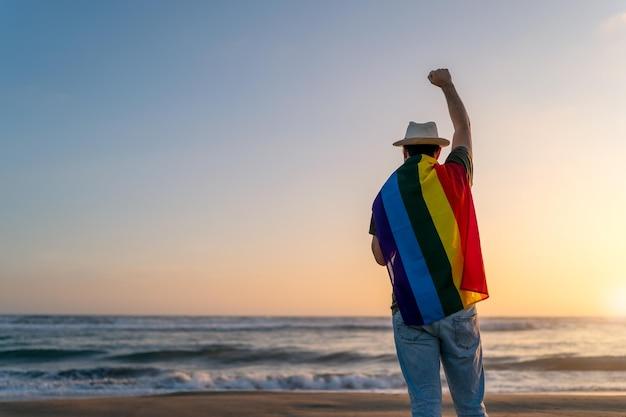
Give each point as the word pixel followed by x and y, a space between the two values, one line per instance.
pixel 440 77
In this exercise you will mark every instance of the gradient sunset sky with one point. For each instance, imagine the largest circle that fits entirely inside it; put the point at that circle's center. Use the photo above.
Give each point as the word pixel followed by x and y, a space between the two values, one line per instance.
pixel 222 157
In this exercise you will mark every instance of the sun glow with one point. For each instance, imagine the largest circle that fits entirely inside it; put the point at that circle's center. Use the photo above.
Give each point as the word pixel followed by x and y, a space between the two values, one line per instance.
pixel 616 302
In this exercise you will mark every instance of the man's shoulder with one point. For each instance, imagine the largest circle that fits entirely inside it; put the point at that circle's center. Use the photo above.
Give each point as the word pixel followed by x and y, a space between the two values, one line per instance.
pixel 461 155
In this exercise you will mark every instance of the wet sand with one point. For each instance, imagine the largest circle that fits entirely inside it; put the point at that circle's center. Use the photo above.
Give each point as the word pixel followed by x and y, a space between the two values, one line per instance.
pixel 306 404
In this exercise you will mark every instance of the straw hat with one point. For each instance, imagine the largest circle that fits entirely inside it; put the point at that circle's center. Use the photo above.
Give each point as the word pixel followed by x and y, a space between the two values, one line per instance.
pixel 422 134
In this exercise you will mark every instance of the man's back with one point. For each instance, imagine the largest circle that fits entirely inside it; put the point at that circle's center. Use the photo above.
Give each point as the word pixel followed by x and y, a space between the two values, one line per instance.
pixel 424 221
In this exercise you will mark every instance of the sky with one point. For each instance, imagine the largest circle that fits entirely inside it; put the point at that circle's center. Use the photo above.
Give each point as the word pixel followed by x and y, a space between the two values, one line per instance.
pixel 179 157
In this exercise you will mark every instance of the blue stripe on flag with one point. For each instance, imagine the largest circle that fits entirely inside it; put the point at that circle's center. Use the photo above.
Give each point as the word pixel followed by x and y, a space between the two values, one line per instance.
pixel 412 258
pixel 401 287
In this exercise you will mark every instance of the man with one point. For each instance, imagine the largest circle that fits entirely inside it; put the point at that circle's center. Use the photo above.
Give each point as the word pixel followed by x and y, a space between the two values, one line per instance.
pixel 425 231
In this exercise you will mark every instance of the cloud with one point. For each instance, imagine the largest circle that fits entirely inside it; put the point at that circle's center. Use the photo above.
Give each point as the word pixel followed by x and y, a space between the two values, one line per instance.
pixel 614 24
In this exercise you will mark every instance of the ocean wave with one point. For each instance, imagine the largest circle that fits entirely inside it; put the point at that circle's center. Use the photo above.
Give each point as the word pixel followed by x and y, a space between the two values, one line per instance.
pixel 144 381
pixel 570 363
pixel 43 355
pixel 90 374
pixel 494 325
pixel 215 324
pixel 115 382
pixel 108 373
pixel 299 381
pixel 200 328
pixel 58 319
pixel 214 354
pixel 244 354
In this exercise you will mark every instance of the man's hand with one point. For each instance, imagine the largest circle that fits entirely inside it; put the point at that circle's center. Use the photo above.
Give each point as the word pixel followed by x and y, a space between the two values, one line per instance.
pixel 440 77
pixel 460 120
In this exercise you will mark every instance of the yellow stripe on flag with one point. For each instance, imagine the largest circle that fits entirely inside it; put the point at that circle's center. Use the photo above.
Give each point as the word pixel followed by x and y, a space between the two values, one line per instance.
pixel 445 223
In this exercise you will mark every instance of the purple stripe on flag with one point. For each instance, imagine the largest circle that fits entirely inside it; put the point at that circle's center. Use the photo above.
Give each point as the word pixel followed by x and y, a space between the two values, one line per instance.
pixel 401 288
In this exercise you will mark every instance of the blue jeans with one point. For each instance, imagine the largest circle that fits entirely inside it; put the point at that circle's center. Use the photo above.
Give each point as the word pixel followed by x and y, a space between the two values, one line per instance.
pixel 455 342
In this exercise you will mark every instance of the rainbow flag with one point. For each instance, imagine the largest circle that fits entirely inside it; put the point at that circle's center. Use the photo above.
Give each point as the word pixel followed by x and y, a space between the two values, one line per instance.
pixel 427 229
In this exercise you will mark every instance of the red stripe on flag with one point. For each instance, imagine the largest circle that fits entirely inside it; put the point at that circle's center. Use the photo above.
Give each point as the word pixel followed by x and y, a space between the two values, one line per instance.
pixel 454 182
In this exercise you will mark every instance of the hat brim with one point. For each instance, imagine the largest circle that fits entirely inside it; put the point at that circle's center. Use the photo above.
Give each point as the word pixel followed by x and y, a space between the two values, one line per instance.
pixel 422 141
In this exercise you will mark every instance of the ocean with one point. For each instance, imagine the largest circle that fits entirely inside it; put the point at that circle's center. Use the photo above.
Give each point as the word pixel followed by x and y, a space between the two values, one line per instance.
pixel 70 356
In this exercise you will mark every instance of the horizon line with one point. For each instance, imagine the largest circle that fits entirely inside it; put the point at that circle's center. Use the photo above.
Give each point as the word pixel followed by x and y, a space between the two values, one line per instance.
pixel 174 315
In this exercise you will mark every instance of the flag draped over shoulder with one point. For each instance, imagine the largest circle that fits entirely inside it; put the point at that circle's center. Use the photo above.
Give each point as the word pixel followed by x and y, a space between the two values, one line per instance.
pixel 427 229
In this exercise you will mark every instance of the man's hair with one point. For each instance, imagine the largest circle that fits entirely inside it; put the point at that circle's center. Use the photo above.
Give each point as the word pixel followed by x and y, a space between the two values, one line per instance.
pixel 422 149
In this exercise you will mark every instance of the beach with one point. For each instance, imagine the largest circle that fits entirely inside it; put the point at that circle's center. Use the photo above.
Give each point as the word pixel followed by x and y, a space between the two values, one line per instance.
pixel 261 404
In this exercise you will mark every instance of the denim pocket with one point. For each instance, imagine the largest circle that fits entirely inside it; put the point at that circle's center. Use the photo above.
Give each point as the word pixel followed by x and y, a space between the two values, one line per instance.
pixel 466 333
pixel 406 333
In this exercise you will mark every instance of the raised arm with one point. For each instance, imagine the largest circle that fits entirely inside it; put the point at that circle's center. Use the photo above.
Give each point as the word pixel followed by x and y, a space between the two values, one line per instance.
pixel 460 120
